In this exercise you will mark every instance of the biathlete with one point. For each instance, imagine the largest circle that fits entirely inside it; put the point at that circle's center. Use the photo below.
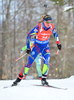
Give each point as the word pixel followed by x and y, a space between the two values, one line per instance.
pixel 42 31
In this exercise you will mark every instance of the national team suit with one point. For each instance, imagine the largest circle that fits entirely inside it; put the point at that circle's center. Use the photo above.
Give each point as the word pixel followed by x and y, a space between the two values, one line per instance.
pixel 41 45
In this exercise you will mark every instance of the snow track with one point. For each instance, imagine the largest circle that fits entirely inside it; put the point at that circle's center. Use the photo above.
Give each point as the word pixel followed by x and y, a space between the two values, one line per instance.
pixel 25 91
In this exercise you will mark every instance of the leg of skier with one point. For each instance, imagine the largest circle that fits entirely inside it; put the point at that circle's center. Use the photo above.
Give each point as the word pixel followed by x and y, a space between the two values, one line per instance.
pixel 24 71
pixel 46 58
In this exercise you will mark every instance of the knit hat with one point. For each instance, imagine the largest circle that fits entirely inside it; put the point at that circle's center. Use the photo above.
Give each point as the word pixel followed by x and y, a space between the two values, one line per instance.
pixel 47 17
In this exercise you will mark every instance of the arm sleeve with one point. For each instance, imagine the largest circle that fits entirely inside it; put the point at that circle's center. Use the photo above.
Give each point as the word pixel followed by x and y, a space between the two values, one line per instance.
pixel 24 48
pixel 30 34
pixel 55 34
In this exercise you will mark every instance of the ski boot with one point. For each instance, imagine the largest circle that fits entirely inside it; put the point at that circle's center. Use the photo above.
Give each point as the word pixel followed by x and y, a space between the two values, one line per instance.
pixel 43 81
pixel 18 80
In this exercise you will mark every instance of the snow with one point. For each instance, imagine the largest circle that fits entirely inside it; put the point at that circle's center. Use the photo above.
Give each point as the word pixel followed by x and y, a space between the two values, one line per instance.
pixel 26 91
pixel 67 8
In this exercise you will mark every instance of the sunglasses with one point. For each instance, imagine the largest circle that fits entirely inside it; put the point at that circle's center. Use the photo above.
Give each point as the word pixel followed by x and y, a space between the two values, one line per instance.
pixel 48 22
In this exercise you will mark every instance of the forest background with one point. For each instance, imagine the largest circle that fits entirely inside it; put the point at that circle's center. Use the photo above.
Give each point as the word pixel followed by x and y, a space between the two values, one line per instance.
pixel 17 18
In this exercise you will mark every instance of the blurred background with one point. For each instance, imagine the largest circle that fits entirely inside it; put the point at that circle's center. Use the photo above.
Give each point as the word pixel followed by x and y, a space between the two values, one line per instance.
pixel 17 18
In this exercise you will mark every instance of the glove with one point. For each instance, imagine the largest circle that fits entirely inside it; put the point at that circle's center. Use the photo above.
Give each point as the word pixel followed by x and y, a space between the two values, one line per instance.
pixel 28 51
pixel 21 51
pixel 59 46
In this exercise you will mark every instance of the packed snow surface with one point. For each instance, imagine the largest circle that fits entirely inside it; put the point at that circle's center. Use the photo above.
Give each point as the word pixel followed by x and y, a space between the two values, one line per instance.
pixel 26 91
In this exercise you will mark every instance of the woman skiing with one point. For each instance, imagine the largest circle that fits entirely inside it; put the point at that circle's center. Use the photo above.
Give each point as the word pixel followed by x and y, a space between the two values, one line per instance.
pixel 42 31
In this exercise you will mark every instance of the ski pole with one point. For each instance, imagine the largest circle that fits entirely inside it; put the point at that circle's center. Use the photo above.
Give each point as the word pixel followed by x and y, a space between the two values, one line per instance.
pixel 53 66
pixel 20 57
pixel 57 52
pixel 23 59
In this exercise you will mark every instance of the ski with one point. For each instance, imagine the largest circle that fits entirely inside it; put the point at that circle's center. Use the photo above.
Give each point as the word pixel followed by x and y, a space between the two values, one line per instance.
pixel 50 86
pixel 10 86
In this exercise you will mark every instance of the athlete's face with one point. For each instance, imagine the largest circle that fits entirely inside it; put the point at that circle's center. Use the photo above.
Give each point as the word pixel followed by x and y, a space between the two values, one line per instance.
pixel 47 23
